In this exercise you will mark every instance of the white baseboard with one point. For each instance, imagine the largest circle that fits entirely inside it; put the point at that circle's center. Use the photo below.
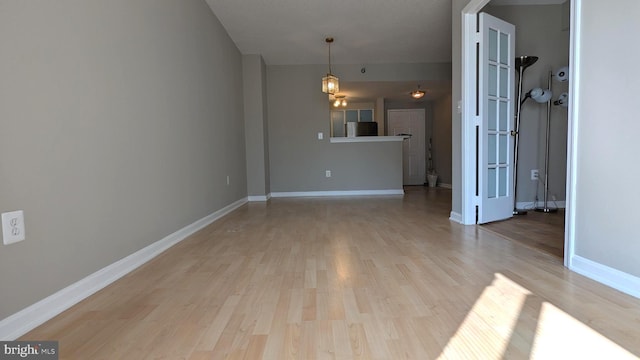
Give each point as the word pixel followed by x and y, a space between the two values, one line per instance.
pixel 457 217
pixel 530 205
pixel 29 318
pixel 336 193
pixel 446 186
pixel 257 198
pixel 616 279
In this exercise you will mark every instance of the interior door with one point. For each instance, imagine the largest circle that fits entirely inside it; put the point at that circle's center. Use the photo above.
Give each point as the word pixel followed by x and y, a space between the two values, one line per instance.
pixel 410 122
pixel 496 79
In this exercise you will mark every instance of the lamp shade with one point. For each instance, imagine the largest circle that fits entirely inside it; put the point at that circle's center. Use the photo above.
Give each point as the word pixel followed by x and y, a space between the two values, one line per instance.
pixel 417 94
pixel 562 74
pixel 330 84
pixel 541 96
pixel 563 100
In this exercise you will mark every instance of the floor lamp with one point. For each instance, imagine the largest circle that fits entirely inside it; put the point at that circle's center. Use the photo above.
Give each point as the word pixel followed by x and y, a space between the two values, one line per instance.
pixel 561 75
pixel 522 62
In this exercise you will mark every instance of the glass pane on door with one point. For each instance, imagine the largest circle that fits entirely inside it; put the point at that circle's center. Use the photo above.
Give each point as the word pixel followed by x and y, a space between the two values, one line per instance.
pixel 493 45
pixel 502 181
pixel 491 184
pixel 493 80
pixel 492 108
pixel 503 120
pixel 502 148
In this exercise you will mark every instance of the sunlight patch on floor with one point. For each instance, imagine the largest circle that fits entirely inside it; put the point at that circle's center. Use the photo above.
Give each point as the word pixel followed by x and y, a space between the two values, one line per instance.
pixel 507 321
pixel 559 335
pixel 485 331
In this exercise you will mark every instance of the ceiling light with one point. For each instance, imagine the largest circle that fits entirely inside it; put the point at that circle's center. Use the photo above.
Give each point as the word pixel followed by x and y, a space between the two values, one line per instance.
pixel 340 100
pixel 330 83
pixel 417 94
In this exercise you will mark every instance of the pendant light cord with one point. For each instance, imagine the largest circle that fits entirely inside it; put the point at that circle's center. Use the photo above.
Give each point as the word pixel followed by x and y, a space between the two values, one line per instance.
pixel 329 41
pixel 329 58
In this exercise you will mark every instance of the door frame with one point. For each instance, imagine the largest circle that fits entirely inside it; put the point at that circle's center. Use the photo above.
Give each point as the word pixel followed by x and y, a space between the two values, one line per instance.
pixel 468 120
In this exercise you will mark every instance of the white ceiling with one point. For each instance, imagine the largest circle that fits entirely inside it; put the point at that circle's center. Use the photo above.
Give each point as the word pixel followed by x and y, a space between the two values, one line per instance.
pixel 289 32
pixel 292 32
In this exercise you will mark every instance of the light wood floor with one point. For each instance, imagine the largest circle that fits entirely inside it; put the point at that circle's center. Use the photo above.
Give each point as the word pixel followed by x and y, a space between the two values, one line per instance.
pixel 542 231
pixel 369 278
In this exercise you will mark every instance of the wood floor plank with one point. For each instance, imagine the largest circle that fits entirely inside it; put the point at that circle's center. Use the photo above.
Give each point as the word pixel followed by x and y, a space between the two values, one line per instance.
pixel 386 277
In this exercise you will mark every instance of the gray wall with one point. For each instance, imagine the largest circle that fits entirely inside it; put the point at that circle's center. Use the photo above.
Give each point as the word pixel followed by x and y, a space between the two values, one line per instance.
pixel 441 146
pixel 297 111
pixel 539 32
pixel 120 121
pixel 607 191
pixel 254 75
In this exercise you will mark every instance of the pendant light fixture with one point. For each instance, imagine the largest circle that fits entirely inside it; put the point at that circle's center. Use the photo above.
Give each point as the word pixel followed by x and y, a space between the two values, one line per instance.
pixel 340 101
pixel 330 83
pixel 417 94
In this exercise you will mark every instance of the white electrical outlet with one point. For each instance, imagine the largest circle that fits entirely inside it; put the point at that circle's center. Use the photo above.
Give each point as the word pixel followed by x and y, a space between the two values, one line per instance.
pixel 535 174
pixel 327 173
pixel 320 136
pixel 12 227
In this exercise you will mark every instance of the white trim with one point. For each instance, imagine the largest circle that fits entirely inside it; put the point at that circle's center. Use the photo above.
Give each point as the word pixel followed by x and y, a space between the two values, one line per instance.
pixel 336 193
pixel 468 143
pixel 525 2
pixel 457 217
pixel 29 318
pixel 366 139
pixel 572 131
pixel 446 186
pixel 530 205
pixel 258 198
pixel 614 278
pixel 474 7
pixel 468 118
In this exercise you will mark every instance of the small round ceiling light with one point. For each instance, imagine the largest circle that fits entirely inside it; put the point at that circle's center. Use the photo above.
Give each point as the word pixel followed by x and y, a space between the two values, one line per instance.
pixel 417 94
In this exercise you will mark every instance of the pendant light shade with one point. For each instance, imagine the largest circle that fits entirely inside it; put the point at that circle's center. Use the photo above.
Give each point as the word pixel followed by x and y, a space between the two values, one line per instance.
pixel 330 83
pixel 417 94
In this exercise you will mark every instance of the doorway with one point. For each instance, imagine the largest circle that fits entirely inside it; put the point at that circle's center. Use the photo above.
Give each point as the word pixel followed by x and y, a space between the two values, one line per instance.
pixel 468 131
pixel 410 123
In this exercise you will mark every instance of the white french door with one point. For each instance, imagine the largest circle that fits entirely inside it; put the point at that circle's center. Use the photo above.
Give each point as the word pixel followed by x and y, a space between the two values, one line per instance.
pixel 496 79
